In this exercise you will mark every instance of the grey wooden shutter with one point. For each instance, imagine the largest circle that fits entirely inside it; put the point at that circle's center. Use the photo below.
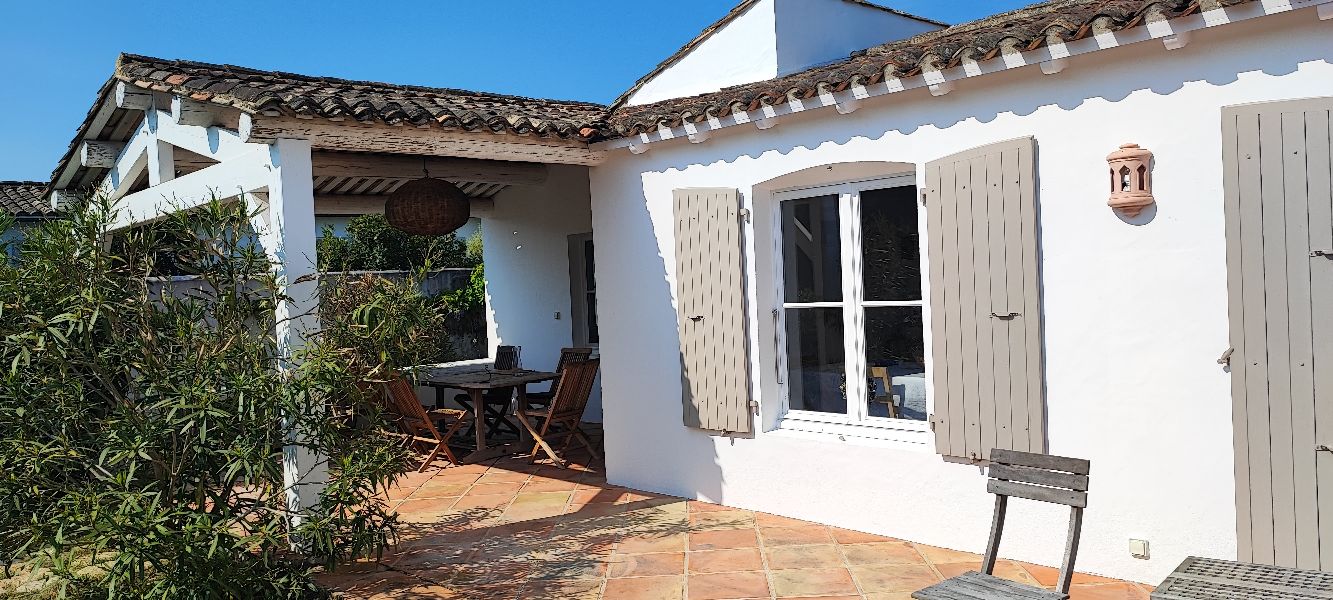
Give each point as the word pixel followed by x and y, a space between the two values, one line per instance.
pixel 984 301
pixel 710 303
pixel 1278 182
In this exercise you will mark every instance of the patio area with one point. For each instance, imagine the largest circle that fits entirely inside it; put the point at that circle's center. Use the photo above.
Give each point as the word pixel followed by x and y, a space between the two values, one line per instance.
pixel 509 530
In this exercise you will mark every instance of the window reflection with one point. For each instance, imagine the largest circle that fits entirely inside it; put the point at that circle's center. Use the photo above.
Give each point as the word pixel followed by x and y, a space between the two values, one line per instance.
pixel 816 363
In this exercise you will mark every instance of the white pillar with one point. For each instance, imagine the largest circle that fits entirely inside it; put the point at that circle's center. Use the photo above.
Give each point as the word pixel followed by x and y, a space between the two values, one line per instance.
pixel 287 232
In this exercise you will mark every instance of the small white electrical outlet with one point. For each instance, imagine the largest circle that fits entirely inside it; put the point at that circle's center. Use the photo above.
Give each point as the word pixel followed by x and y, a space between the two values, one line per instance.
pixel 1139 549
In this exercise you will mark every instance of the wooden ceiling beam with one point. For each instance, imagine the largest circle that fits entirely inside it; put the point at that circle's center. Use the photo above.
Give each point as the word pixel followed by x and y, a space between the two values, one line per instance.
pixel 344 164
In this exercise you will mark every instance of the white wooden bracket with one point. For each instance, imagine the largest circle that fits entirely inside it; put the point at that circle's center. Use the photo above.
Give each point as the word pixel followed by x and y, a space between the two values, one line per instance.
pixel 1325 12
pixel 941 88
pixel 131 98
pixel 1053 66
pixel 765 122
pixel 637 148
pixel 188 112
pixel 695 135
pixel 1177 40
pixel 848 106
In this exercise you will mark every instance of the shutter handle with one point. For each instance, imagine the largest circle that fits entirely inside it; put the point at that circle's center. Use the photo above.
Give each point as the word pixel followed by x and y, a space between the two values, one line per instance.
pixel 1225 360
pixel 1323 448
pixel 1323 253
pixel 697 318
pixel 777 347
pixel 1005 317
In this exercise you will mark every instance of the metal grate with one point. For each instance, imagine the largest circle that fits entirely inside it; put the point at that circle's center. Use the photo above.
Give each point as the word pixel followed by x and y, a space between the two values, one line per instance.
pixel 1211 579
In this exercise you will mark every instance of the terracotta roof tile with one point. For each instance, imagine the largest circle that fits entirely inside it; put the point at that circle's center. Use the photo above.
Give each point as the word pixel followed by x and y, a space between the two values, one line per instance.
pixel 984 39
pixel 24 199
pixel 256 91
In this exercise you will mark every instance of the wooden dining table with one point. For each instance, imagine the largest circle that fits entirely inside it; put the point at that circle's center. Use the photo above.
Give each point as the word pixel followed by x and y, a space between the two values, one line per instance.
pixel 476 378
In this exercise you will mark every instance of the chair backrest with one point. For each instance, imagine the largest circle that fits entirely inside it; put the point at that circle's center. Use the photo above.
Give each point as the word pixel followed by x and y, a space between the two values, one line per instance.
pixel 1044 478
pixel 403 401
pixel 507 357
pixel 575 385
pixel 568 354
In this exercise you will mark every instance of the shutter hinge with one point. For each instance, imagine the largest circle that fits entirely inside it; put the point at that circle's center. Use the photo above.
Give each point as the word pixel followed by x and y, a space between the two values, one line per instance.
pixel 924 194
pixel 754 406
pixel 744 214
pixel 932 422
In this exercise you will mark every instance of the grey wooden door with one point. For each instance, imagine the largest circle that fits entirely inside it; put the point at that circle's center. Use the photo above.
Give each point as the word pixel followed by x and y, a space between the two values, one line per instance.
pixel 1280 279
pixel 710 305
pixel 985 299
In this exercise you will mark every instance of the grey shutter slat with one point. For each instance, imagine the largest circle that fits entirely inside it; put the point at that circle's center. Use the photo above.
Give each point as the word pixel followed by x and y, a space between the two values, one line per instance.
pixel 1304 520
pixel 1277 175
pixel 1320 173
pixel 1235 281
pixel 981 220
pixel 710 305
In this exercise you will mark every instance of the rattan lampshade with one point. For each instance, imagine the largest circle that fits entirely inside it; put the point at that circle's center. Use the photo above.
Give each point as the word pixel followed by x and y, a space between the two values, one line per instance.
pixel 427 206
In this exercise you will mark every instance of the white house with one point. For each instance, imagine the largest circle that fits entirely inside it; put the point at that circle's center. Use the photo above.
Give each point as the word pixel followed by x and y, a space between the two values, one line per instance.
pixel 826 286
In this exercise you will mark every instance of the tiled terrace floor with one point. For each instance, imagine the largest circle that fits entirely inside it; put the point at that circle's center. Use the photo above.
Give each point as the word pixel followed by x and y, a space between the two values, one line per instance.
pixel 508 530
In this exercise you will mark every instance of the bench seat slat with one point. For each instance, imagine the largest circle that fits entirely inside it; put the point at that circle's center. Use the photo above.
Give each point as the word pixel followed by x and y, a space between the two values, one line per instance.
pixel 1040 477
pixel 979 586
pixel 1040 494
pixel 1077 466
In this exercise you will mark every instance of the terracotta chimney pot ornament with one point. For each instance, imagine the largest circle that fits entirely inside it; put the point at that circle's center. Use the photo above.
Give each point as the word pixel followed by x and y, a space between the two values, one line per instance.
pixel 1131 179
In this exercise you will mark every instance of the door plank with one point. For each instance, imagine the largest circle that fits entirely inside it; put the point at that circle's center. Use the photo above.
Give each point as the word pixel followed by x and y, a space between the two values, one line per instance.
pixel 1236 316
pixel 1032 320
pixel 1305 517
pixel 939 366
pixel 967 275
pixel 1256 362
pixel 1277 318
pixel 999 301
pixel 1015 302
pixel 952 173
pixel 1320 174
pixel 981 221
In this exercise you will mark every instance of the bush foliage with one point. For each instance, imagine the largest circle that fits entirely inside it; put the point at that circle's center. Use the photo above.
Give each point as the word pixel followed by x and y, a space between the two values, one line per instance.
pixel 371 244
pixel 143 421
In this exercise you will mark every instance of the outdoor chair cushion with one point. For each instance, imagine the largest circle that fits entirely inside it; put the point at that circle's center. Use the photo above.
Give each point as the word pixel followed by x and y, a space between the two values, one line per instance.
pixel 979 586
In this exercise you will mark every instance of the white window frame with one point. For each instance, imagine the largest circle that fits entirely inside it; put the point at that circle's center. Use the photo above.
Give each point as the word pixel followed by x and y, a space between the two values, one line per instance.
pixel 856 422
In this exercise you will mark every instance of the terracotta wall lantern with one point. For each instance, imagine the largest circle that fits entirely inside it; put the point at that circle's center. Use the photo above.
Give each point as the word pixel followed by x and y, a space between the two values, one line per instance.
pixel 1131 179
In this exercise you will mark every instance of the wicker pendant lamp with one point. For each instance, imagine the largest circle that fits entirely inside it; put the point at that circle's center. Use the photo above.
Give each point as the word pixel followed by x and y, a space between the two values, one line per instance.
pixel 427 206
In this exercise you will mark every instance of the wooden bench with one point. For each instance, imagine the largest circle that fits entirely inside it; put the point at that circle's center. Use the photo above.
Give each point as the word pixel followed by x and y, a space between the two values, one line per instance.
pixel 1041 477
pixel 1212 579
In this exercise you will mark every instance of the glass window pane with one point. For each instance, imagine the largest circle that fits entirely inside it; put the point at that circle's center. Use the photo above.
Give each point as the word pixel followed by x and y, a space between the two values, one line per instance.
pixel 811 247
pixel 890 254
pixel 816 373
pixel 896 361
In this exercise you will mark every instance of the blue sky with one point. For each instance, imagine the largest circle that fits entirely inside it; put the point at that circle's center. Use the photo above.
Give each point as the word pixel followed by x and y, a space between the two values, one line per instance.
pixel 55 54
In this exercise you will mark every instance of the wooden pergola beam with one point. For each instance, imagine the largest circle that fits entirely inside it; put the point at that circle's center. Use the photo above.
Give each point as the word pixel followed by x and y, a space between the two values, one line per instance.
pixel 343 164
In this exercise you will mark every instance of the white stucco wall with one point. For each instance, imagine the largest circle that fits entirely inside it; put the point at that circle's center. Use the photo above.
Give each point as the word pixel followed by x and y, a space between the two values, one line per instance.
pixel 742 51
pixel 1135 313
pixel 525 244
pixel 814 33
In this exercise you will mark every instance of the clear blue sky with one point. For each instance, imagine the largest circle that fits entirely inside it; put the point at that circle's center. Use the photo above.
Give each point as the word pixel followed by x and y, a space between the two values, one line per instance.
pixel 55 54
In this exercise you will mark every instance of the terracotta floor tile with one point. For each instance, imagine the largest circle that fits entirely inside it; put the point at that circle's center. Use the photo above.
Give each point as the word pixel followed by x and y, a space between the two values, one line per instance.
pixel 450 490
pixel 597 495
pixel 494 501
pixel 890 596
pixel 640 565
pixel 724 561
pixel 454 477
pixel 767 520
pixel 728 586
pixel 426 505
pixel 722 519
pixel 647 544
pixel 646 588
pixel 549 485
pixel 1107 591
pixel 812 582
pixel 847 536
pixel 804 557
pixel 1003 568
pixel 787 536
pixel 701 506
pixel 894 578
pixel 500 476
pixel 542 499
pixel 882 553
pixel 723 539
pixel 490 489
pixel 945 555
pixel 579 589
pixel 1049 576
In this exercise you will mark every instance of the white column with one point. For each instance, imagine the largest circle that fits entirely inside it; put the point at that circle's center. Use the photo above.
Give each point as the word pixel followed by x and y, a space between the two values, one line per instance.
pixel 287 232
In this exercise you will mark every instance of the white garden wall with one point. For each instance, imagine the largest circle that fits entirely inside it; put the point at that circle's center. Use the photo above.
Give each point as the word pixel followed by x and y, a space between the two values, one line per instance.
pixel 1135 312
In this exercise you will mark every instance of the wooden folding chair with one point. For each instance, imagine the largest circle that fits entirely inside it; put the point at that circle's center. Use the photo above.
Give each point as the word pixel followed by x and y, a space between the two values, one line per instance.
pixel 562 418
pixel 418 425
pixel 887 399
pixel 542 400
pixel 1039 477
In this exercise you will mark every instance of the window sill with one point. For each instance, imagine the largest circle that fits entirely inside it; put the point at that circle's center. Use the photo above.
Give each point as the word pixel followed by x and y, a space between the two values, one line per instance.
pixel 913 435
